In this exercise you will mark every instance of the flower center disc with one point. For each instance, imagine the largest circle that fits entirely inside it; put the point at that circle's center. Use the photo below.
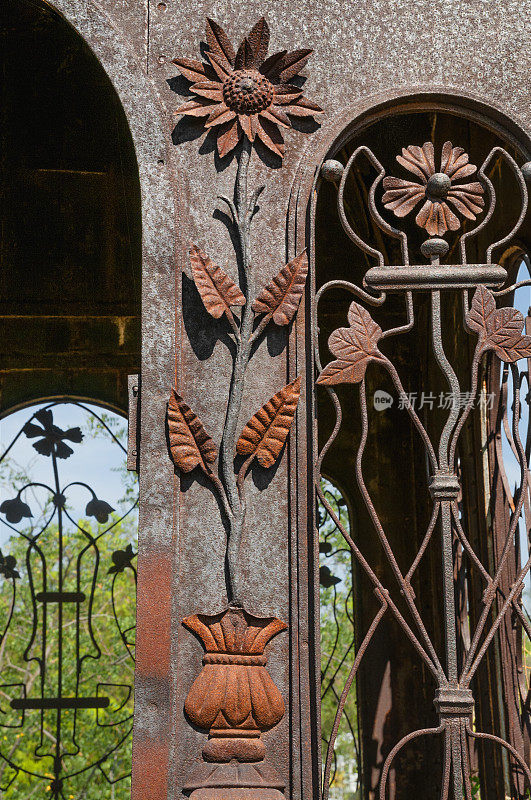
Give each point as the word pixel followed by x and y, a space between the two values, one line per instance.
pixel 246 91
pixel 438 186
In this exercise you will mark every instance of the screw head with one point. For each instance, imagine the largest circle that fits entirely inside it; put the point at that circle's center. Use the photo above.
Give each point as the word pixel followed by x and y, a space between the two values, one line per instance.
pixel 438 185
pixel 332 170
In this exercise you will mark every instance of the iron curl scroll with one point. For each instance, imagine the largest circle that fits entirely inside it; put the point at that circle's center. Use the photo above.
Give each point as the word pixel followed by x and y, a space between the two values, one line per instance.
pixel 443 196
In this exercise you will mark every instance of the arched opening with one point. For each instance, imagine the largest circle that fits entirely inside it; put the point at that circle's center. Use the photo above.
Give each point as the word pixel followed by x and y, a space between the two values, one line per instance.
pixel 380 461
pixel 70 336
pixel 71 239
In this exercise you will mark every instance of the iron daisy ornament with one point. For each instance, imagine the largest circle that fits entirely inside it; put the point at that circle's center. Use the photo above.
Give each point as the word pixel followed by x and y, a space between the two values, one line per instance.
pixel 244 93
pixel 441 191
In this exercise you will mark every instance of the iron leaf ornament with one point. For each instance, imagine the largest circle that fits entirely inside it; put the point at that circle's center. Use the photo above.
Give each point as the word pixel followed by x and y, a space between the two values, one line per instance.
pixel 354 347
pixel 245 96
pixel 266 432
pixel 217 291
pixel 190 444
pixel 498 329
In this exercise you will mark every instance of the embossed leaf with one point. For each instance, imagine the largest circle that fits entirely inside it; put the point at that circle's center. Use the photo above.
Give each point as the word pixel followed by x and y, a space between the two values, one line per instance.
pixel 218 292
pixel 498 329
pixel 283 293
pixel 354 348
pixel 190 444
pixel 265 433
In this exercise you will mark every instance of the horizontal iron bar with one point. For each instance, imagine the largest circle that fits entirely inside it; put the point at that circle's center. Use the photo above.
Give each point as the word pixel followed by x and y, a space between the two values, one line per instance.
pixel 61 597
pixel 43 703
pixel 442 276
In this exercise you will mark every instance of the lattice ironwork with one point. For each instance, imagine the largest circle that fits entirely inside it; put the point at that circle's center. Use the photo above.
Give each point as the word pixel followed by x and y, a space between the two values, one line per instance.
pixel 446 197
pixel 67 614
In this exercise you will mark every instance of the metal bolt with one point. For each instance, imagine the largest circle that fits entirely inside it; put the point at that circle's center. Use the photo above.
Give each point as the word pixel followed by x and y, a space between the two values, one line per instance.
pixel 332 170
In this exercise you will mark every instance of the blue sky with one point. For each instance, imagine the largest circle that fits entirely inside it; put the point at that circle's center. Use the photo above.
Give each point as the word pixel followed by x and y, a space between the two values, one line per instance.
pixel 95 461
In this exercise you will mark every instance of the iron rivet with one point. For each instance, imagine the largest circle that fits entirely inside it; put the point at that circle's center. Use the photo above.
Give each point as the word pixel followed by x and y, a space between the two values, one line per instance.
pixel 162 59
pixel 526 171
pixel 162 6
pixel 332 170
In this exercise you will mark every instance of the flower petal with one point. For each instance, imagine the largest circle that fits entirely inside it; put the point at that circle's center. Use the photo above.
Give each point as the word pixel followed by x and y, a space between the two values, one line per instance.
pixel 74 435
pixel 223 114
pixel 451 221
pixel 292 63
pixel 464 172
pixel 190 69
pixel 44 447
pixel 219 43
pixel 461 207
pixel 270 136
pixel 31 430
pixel 277 116
pixel 210 89
pixel 286 94
pixel 453 159
pixel 399 183
pixel 269 67
pixel 474 189
pixel 62 450
pixel 245 57
pixel 228 137
pixel 219 67
pixel 474 203
pixel 418 160
pixel 45 417
pixel 259 40
pixel 193 108
pixel 248 128
pixel 402 201
pixel 303 108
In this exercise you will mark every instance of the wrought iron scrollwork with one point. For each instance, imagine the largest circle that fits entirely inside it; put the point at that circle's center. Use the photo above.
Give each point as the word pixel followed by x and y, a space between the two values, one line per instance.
pixel 356 346
pixel 67 605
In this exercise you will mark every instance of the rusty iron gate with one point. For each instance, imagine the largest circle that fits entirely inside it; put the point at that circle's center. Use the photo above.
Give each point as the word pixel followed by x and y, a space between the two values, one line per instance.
pixel 444 194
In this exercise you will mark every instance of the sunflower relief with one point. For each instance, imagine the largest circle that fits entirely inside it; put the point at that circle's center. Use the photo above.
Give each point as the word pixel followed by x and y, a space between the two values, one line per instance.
pixel 244 93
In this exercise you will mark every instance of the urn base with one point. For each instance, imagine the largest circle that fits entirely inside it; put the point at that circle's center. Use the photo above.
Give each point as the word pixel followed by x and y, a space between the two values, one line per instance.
pixel 235 781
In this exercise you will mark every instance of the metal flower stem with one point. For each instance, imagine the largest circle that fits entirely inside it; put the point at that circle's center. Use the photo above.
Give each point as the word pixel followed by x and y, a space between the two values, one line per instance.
pixel 446 505
pixel 242 213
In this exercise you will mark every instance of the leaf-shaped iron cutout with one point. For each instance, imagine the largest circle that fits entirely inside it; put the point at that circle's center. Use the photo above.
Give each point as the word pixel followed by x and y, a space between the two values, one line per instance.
pixel 190 444
pixel 267 430
pixel 498 329
pixel 218 292
pixel 283 293
pixel 354 348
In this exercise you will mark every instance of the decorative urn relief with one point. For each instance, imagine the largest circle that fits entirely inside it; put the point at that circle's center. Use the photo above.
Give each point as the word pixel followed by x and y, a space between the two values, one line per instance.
pixel 247 98
pixel 234 697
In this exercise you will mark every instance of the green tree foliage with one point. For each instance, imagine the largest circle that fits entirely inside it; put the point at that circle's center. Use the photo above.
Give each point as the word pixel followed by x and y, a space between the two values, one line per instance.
pixel 337 646
pixel 96 637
